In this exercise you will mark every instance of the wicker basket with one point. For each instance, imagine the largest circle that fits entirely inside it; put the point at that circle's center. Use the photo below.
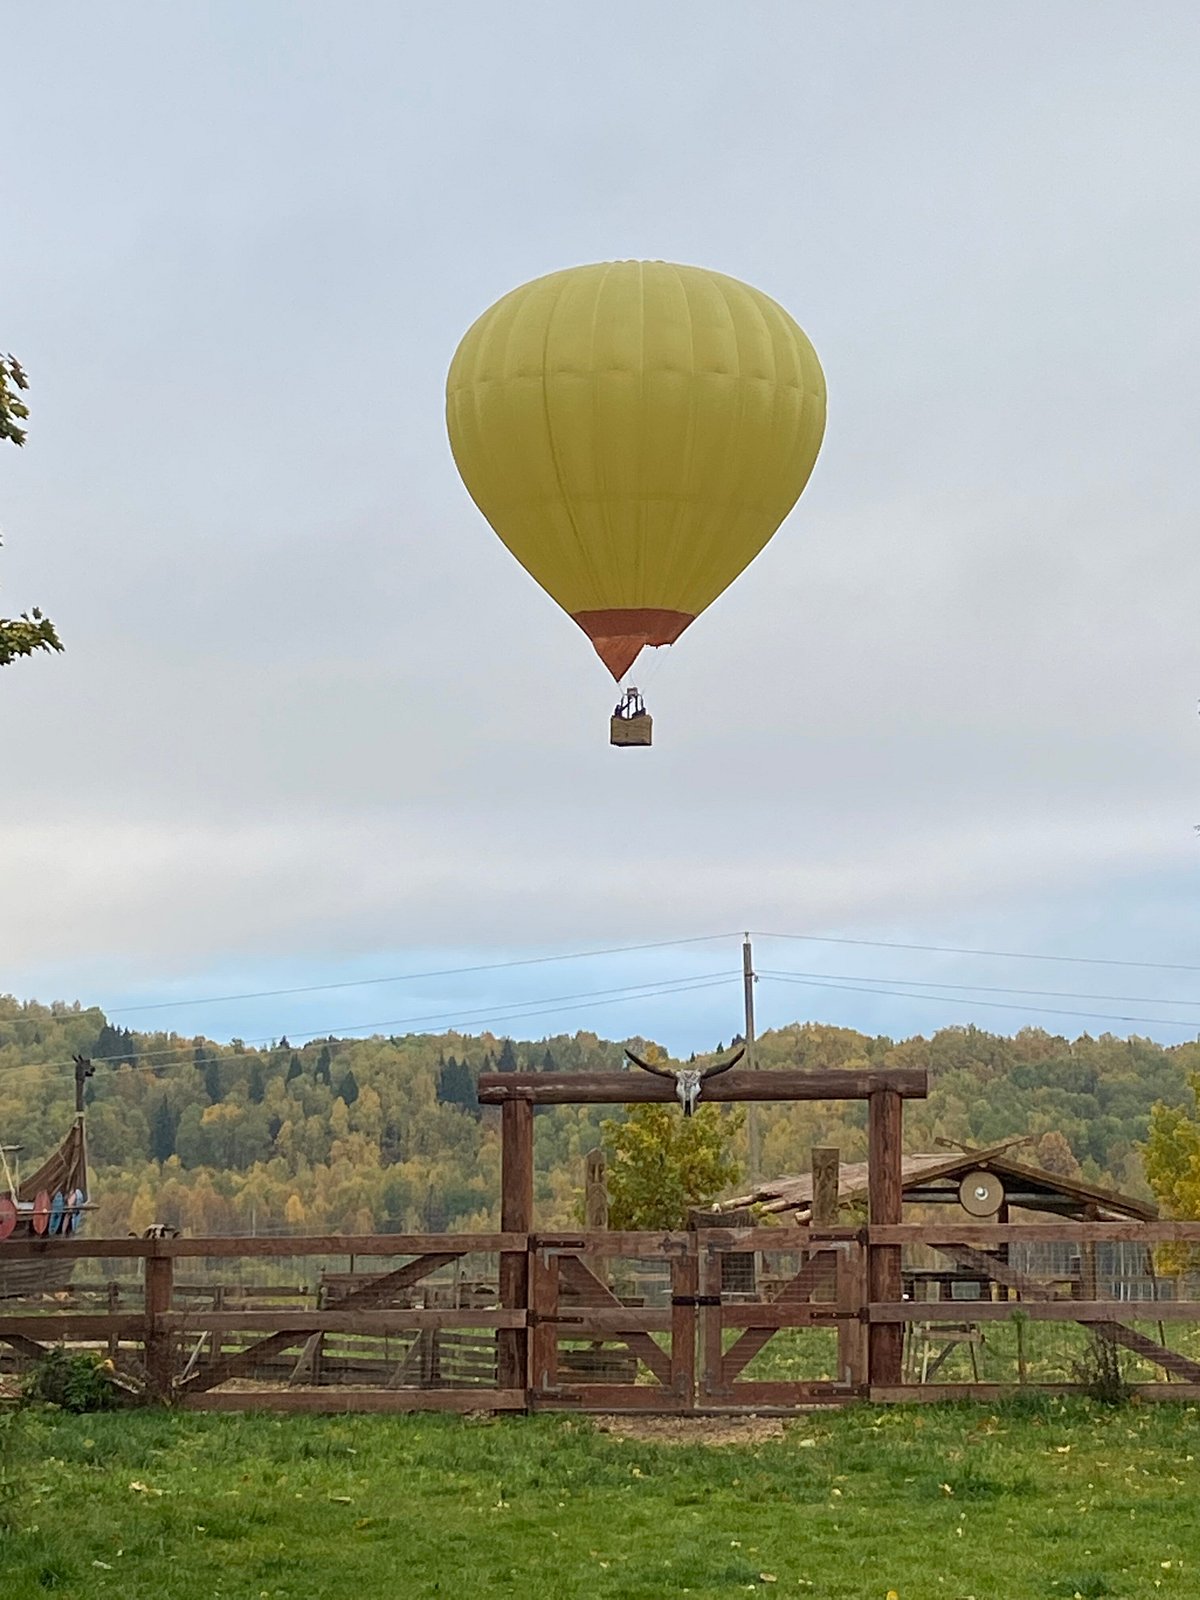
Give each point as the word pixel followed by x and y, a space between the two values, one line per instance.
pixel 631 730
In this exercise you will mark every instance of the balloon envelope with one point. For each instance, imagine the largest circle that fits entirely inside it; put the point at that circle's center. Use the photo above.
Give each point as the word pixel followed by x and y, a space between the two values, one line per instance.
pixel 635 432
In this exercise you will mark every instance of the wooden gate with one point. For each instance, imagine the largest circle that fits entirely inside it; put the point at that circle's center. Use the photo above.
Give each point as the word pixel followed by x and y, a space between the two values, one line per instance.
pixel 594 1342
pixel 791 1334
pixel 727 1320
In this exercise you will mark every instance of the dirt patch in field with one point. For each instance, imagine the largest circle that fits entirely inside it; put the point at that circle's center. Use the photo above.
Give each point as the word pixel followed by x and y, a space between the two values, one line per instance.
pixel 693 1430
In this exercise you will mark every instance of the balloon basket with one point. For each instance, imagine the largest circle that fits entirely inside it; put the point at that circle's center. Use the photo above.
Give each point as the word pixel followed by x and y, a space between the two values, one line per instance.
pixel 631 723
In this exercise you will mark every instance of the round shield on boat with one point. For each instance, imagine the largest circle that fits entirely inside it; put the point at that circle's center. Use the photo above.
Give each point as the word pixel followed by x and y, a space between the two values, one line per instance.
pixel 981 1193
pixel 41 1212
pixel 58 1207
pixel 8 1216
pixel 74 1214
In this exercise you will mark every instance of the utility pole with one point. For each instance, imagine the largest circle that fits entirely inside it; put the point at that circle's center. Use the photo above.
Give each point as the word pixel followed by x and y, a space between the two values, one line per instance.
pixel 753 1139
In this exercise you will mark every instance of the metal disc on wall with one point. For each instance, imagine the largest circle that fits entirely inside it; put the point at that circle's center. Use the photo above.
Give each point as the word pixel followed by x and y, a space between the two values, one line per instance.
pixel 41 1212
pixel 981 1193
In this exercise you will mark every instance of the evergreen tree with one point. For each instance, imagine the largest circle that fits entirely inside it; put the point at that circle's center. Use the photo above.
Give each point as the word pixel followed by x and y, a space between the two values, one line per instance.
pixel 162 1131
pixel 295 1069
pixel 456 1085
pixel 548 1062
pixel 508 1057
pixel 212 1079
pixel 322 1073
pixel 348 1088
pixel 273 1126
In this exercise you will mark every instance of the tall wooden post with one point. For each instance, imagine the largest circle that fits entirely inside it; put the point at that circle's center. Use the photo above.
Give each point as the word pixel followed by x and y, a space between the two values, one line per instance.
pixel 885 1205
pixel 159 1344
pixel 516 1216
pixel 595 1190
pixel 826 1173
pixel 595 1202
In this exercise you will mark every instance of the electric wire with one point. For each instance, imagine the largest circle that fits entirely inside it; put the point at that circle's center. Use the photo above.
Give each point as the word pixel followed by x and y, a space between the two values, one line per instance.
pixel 965 950
pixel 153 1061
pixel 1192 1024
pixel 994 988
pixel 416 977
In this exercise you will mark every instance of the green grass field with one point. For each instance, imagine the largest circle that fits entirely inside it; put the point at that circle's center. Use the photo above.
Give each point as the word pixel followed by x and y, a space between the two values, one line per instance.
pixel 1043 1499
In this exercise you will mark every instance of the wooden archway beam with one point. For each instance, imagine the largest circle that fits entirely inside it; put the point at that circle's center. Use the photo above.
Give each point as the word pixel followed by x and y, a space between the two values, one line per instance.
pixel 637 1088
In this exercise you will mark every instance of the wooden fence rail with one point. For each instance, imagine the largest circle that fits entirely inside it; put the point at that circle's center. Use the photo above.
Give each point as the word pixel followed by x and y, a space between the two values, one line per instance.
pixel 565 1324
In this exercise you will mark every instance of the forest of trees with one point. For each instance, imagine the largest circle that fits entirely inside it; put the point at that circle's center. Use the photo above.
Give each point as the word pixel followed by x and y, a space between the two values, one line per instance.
pixel 383 1134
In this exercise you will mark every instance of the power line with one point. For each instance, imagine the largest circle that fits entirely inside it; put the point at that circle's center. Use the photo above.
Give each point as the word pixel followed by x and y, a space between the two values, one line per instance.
pixel 515 1011
pixel 963 950
pixel 995 988
pixel 416 977
pixel 1192 1024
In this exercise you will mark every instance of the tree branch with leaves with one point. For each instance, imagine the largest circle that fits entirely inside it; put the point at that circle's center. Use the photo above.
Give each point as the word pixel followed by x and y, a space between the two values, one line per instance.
pixel 31 631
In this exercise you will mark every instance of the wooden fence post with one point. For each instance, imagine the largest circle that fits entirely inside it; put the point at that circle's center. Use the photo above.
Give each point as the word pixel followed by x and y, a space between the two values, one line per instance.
pixel 159 1342
pixel 885 1205
pixel 826 1173
pixel 516 1216
pixel 595 1201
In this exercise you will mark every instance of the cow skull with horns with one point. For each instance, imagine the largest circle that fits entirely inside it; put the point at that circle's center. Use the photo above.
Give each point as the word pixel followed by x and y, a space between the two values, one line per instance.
pixel 688 1080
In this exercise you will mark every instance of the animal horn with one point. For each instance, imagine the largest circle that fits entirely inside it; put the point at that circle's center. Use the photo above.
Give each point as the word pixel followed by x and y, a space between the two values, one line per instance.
pixel 722 1066
pixel 659 1072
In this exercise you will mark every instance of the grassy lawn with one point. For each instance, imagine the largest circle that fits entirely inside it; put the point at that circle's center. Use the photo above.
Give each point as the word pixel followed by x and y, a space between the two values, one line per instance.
pixel 1044 1499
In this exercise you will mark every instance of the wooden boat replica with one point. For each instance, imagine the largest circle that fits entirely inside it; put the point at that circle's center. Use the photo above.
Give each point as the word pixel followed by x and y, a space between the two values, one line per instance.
pixel 51 1201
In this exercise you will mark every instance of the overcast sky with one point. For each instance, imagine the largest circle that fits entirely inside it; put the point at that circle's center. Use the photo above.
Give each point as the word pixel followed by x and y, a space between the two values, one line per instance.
pixel 314 724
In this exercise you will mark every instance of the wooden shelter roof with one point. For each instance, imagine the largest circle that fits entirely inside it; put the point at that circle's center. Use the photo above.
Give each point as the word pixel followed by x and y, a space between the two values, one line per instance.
pixel 933 1178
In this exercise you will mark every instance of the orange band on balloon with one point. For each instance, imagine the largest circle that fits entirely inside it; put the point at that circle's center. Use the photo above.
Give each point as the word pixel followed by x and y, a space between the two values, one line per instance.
pixel 620 634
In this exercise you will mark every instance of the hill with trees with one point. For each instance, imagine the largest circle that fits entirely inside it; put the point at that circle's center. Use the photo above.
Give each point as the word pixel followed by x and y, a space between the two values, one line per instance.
pixel 383 1134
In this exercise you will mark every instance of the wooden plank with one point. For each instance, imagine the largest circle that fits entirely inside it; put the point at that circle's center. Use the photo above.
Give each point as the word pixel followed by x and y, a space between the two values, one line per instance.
pixel 241 1246
pixel 637 1246
pixel 991 1235
pixel 574 1321
pixel 383 1287
pixel 852 1296
pixel 353 1399
pixel 712 1384
pixel 769 1316
pixel 641 1088
pixel 885 1204
pixel 58 1326
pixel 543 1308
pixel 339 1319
pixel 576 1272
pixel 685 1282
pixel 1149 1350
pixel 1056 1310
pixel 27 1347
pixel 791 1299
pixel 305 1370
pixel 752 1393
pixel 516 1216
pixel 778 1241
pixel 606 1397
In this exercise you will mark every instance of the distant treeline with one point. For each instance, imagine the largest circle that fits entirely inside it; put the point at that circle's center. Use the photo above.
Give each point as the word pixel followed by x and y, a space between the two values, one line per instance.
pixel 385 1133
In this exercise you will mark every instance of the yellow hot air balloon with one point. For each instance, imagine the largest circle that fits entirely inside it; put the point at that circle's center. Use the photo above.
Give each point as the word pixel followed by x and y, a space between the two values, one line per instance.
pixel 635 432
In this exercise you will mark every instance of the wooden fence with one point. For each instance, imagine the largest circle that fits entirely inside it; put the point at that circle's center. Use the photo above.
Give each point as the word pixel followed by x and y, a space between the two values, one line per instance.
pixel 607 1321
